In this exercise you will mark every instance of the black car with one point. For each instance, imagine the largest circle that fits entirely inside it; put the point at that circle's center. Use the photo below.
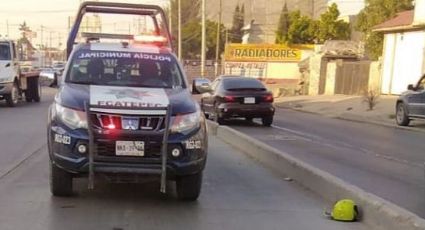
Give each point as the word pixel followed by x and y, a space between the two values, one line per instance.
pixel 123 112
pixel 236 96
pixel 411 104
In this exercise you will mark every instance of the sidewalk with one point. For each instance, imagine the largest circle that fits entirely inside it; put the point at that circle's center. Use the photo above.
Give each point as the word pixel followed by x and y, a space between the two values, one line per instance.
pixel 348 108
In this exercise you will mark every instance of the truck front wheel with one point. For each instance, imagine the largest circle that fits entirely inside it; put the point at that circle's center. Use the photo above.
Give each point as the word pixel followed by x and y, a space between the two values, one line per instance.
pixel 189 187
pixel 60 181
pixel 12 98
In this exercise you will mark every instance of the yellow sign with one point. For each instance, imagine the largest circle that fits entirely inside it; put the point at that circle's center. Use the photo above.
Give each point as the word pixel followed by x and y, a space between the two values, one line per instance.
pixel 264 52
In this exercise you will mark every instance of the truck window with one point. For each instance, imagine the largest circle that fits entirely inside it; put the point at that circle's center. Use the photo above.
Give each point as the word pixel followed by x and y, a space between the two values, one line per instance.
pixel 5 52
pixel 125 69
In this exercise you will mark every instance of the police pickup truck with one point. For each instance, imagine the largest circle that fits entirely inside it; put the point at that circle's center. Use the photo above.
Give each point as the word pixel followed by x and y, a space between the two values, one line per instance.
pixel 123 110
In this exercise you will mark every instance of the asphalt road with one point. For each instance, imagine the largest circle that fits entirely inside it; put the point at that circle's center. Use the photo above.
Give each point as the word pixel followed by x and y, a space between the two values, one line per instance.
pixel 388 162
pixel 237 192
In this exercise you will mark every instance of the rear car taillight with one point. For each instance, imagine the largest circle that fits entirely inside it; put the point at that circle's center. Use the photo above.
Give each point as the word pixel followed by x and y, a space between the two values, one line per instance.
pixel 229 98
pixel 268 98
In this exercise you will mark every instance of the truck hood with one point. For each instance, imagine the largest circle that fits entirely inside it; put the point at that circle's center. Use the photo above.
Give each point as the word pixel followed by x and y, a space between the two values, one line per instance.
pixel 75 96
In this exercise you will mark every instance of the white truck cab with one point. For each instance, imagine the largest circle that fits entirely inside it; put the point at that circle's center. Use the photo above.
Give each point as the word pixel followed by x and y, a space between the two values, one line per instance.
pixel 9 70
pixel 14 84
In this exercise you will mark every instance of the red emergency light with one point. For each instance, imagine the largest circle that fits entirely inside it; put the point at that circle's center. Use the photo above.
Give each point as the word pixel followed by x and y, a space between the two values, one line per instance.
pixel 150 39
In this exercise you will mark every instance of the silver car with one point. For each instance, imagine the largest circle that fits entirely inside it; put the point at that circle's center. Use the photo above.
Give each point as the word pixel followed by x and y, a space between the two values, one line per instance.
pixel 411 104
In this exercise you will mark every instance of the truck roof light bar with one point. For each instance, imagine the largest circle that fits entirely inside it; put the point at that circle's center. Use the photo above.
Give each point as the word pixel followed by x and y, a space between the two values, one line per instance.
pixel 153 11
pixel 93 36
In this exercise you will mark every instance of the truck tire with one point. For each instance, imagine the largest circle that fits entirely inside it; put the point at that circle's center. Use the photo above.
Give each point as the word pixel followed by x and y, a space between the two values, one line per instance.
pixel 12 98
pixel 33 92
pixel 60 181
pixel 189 187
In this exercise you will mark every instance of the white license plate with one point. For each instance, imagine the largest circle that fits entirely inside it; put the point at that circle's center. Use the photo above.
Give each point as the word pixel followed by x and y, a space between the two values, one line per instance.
pixel 249 100
pixel 130 148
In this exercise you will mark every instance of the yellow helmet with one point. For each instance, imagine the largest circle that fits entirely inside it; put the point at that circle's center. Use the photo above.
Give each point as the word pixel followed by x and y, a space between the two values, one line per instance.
pixel 344 210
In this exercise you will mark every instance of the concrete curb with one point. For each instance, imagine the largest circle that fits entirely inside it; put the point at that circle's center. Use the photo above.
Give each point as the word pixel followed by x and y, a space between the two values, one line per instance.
pixel 376 212
pixel 352 117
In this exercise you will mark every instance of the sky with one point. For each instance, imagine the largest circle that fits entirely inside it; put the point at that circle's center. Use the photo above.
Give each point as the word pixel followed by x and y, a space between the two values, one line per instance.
pixel 349 7
pixel 51 14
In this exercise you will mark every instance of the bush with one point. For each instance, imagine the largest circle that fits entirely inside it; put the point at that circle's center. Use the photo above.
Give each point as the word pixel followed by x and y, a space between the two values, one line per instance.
pixel 371 98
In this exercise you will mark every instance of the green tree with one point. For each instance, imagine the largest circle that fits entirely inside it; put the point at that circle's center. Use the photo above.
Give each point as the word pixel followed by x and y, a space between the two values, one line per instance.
pixel 301 29
pixel 237 24
pixel 330 28
pixel 376 12
pixel 283 26
pixel 191 37
pixel 190 11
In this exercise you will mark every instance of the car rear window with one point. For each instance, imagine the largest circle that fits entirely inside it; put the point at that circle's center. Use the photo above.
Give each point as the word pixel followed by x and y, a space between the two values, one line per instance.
pixel 243 83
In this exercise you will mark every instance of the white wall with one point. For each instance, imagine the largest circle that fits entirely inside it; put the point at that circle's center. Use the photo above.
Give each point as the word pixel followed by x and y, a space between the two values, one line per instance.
pixel 419 12
pixel 403 61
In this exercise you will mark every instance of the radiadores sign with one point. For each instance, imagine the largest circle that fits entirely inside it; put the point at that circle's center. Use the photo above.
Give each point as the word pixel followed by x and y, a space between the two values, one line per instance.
pixel 264 52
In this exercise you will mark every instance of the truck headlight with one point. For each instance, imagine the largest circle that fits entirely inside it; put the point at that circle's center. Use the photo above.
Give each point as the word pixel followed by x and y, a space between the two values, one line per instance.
pixel 186 123
pixel 74 119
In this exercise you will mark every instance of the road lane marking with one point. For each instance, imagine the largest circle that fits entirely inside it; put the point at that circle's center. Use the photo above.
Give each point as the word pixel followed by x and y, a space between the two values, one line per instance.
pixel 16 164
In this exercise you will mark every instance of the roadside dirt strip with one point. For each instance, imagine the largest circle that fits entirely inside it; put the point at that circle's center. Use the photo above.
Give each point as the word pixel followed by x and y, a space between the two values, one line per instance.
pixel 376 212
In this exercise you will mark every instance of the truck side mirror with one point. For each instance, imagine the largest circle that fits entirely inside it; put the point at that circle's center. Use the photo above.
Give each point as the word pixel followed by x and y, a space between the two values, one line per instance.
pixel 200 86
pixel 411 87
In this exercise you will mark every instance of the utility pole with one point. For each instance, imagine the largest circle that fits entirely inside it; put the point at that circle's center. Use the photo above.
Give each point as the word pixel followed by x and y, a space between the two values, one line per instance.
pixel 203 45
pixel 7 28
pixel 43 57
pixel 170 18
pixel 41 37
pixel 180 29
pixel 50 39
pixel 217 49
pixel 227 37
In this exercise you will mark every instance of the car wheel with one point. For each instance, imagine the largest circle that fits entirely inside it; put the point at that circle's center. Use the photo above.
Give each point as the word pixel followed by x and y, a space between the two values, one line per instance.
pixel 217 117
pixel 189 187
pixel 60 181
pixel 401 115
pixel 267 121
pixel 12 98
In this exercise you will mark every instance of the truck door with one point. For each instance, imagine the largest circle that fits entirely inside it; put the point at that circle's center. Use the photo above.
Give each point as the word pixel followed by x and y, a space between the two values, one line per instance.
pixel 417 99
pixel 421 89
pixel 15 59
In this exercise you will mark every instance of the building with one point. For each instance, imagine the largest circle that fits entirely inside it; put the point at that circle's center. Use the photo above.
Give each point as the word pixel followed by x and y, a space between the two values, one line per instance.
pixel 403 60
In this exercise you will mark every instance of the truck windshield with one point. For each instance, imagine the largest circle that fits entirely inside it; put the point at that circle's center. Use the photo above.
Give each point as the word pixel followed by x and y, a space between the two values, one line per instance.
pixel 125 69
pixel 5 52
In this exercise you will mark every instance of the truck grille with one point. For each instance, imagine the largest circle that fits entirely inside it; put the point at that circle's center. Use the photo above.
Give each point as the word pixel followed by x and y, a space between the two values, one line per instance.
pixel 107 148
pixel 147 123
